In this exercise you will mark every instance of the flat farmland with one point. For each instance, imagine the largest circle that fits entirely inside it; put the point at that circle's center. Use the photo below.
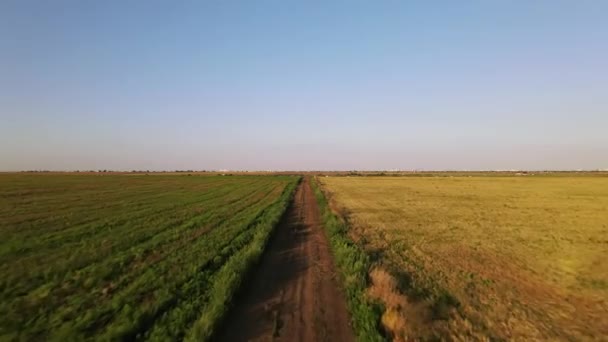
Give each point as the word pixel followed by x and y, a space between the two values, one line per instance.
pixel 125 257
pixel 478 258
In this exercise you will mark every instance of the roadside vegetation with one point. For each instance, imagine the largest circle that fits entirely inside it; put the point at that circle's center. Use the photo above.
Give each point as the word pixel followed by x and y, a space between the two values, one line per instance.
pixel 478 258
pixel 353 265
pixel 123 257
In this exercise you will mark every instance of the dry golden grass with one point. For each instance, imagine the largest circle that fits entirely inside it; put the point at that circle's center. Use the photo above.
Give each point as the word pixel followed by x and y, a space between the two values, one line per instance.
pixel 483 257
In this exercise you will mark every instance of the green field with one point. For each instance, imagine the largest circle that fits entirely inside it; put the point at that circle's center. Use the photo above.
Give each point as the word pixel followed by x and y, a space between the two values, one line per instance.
pixel 120 257
pixel 478 258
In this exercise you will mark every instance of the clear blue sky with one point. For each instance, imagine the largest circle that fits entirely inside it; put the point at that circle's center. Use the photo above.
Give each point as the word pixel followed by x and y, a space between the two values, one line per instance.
pixel 303 84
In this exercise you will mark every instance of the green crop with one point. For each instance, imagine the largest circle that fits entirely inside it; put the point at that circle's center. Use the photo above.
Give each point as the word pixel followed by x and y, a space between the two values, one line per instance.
pixel 116 257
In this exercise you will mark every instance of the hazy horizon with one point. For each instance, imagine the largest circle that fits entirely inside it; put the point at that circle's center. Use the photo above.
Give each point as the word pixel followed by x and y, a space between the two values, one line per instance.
pixel 271 85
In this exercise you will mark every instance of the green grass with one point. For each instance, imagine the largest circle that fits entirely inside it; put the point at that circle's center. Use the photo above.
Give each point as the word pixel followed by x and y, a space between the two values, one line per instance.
pixel 128 256
pixel 484 257
pixel 353 265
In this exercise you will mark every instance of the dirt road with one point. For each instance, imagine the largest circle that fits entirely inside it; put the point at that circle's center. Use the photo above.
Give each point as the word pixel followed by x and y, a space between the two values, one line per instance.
pixel 293 294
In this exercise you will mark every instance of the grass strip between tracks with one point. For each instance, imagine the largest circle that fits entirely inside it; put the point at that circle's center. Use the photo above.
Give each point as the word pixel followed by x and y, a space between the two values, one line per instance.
pixel 353 264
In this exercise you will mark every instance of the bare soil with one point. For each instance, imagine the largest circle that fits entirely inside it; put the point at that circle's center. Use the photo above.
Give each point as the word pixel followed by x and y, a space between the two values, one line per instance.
pixel 294 294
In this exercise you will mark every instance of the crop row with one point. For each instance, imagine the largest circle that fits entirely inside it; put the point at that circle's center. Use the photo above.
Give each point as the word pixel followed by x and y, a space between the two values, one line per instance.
pixel 124 257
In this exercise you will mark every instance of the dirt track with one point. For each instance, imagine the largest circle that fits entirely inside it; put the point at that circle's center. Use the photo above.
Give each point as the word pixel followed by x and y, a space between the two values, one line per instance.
pixel 293 294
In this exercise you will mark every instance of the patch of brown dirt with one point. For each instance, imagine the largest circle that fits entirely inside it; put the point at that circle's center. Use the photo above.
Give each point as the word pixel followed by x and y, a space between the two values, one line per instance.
pixel 293 296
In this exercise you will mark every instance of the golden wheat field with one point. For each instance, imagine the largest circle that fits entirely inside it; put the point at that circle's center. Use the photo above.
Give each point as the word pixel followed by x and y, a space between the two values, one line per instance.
pixel 481 257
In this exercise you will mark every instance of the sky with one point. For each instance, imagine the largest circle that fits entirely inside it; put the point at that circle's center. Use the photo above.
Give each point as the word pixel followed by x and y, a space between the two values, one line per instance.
pixel 303 85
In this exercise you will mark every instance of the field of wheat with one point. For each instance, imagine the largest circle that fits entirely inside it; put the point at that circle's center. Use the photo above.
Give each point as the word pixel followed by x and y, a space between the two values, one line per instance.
pixel 482 257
